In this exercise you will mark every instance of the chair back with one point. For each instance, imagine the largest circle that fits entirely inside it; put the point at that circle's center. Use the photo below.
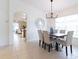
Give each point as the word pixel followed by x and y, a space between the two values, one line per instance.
pixel 40 35
pixel 62 31
pixel 69 37
pixel 51 30
pixel 46 37
pixel 55 31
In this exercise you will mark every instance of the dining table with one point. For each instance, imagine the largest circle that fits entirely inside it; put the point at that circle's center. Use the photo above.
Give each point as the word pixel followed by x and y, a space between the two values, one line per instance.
pixel 57 36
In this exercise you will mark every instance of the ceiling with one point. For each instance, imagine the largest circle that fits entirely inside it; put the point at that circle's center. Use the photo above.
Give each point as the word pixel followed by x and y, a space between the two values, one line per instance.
pixel 44 5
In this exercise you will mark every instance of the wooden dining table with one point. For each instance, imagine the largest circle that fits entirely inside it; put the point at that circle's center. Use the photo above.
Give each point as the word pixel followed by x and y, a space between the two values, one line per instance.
pixel 57 36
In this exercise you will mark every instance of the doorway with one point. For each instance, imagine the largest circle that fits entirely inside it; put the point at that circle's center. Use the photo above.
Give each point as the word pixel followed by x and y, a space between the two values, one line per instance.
pixel 19 32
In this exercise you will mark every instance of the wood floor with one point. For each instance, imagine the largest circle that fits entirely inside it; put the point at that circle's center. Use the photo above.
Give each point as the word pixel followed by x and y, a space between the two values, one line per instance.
pixel 22 49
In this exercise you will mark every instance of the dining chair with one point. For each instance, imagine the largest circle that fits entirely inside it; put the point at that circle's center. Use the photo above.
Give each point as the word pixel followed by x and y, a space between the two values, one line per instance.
pixel 47 41
pixel 55 31
pixel 62 31
pixel 41 40
pixel 67 41
pixel 51 30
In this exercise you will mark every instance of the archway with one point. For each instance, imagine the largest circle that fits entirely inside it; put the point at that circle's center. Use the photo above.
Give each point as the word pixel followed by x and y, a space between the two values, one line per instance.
pixel 20 26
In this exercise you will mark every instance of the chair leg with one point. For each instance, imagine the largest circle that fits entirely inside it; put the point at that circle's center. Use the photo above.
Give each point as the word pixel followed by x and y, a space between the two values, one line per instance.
pixel 71 48
pixel 49 47
pixel 39 42
pixel 62 46
pixel 44 45
pixel 66 51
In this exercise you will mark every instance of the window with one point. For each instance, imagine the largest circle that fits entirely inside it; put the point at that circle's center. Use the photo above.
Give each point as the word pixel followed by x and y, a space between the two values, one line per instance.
pixel 68 23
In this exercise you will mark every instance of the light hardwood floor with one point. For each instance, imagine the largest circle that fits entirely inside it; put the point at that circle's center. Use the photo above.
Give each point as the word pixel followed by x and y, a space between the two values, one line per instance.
pixel 31 50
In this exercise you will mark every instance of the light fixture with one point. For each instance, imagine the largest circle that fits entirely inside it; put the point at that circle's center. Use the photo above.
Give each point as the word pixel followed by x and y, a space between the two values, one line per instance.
pixel 51 15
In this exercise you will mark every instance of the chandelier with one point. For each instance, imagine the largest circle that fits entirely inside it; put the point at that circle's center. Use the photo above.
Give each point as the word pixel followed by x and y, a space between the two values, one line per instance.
pixel 51 15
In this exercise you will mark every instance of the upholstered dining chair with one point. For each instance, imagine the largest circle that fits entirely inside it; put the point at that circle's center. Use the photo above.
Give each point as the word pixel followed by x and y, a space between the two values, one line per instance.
pixel 55 31
pixel 47 41
pixel 51 30
pixel 62 31
pixel 41 40
pixel 67 41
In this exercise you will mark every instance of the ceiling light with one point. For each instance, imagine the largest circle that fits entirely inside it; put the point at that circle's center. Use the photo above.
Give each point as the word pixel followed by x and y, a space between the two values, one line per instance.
pixel 51 15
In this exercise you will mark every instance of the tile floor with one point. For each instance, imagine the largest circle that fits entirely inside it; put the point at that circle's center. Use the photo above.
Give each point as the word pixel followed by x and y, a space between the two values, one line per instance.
pixel 31 50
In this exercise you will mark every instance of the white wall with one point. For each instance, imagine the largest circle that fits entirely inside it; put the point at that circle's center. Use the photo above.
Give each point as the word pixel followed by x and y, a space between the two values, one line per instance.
pixel 4 28
pixel 32 15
